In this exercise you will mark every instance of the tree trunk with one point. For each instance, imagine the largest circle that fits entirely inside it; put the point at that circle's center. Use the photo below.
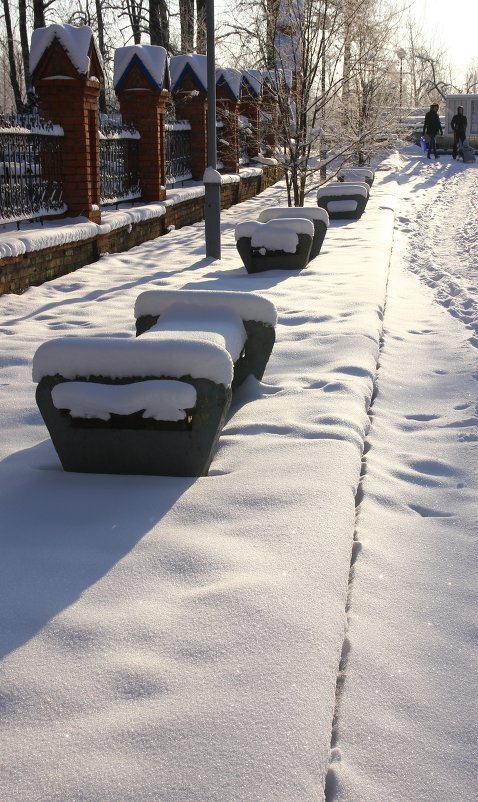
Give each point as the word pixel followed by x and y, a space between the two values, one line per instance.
pixel 201 26
pixel 186 14
pixel 101 45
pixel 271 29
pixel 39 14
pixel 134 9
pixel 22 19
pixel 11 58
pixel 159 23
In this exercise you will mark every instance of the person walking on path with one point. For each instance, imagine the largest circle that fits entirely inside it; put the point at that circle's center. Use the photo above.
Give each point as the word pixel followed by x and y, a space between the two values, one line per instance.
pixel 458 126
pixel 432 126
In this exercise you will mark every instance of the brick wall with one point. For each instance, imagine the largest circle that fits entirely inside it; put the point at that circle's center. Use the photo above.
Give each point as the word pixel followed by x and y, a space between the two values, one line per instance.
pixel 32 269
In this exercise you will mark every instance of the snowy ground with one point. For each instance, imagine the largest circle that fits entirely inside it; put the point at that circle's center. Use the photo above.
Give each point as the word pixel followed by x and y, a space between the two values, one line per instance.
pixel 407 715
pixel 171 640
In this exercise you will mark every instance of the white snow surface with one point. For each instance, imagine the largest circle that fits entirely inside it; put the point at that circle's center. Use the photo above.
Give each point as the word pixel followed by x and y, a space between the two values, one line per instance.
pixel 217 325
pixel 76 41
pixel 211 176
pixel 153 57
pixel 342 205
pixel 232 77
pixel 164 400
pixel 254 79
pixel 356 173
pixel 197 62
pixel 178 640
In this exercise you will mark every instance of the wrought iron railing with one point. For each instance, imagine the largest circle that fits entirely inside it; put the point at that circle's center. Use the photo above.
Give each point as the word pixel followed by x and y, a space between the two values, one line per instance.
pixel 221 143
pixel 119 161
pixel 178 152
pixel 244 132
pixel 30 168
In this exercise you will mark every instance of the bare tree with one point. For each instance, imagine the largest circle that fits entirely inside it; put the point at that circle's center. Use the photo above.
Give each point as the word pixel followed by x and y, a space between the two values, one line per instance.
pixel 324 113
pixel 471 79
pixel 426 66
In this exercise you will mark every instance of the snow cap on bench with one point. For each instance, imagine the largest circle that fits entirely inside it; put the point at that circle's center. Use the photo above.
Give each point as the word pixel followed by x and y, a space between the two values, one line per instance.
pixel 306 212
pixel 344 188
pixel 275 235
pixel 117 358
pixel 248 305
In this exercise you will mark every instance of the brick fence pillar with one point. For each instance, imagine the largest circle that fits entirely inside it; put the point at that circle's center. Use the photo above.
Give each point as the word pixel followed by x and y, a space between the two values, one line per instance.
pixel 189 92
pixel 251 107
pixel 270 109
pixel 228 112
pixel 142 87
pixel 68 96
pixel 193 108
pixel 228 91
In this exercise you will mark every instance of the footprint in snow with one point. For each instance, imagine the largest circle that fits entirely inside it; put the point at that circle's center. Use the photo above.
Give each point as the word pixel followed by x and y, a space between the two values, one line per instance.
pixel 424 418
pixel 426 512
pixel 432 467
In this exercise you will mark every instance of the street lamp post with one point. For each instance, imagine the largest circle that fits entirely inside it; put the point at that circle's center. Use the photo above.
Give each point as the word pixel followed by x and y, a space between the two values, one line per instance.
pixel 401 53
pixel 212 183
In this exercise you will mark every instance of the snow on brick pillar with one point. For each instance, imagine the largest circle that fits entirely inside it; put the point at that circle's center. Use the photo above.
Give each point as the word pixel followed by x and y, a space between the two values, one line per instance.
pixel 228 90
pixel 189 92
pixel 67 75
pixel 141 81
pixel 251 103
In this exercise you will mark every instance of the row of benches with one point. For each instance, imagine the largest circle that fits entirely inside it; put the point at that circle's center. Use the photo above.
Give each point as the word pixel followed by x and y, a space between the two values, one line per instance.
pixel 285 238
pixel 156 404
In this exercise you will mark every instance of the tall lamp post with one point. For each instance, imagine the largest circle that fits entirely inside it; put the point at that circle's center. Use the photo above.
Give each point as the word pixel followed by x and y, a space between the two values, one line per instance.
pixel 212 179
pixel 401 53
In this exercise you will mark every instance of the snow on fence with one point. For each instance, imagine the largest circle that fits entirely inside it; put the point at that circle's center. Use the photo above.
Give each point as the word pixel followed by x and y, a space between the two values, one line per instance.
pixel 30 168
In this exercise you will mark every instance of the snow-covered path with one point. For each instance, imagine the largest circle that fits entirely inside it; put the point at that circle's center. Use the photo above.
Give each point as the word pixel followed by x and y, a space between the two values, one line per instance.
pixel 408 714
pixel 177 640
pixel 439 218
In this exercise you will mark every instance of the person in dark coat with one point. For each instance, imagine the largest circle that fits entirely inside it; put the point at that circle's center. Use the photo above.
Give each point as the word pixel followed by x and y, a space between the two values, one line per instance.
pixel 458 126
pixel 432 126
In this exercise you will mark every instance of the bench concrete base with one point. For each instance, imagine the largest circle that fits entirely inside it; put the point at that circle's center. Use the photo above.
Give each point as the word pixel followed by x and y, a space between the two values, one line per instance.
pixel 131 444
pixel 257 260
pixel 320 230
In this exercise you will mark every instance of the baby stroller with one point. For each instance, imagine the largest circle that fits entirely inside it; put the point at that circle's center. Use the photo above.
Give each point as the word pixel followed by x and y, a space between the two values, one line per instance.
pixel 466 152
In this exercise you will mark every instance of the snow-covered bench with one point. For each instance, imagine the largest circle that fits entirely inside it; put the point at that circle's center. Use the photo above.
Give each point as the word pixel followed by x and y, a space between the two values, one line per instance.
pixel 357 174
pixel 343 200
pixel 280 244
pixel 134 406
pixel 241 322
pixel 319 218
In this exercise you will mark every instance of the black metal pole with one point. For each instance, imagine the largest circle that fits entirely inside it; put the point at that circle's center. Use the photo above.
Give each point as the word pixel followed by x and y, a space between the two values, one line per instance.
pixel 212 181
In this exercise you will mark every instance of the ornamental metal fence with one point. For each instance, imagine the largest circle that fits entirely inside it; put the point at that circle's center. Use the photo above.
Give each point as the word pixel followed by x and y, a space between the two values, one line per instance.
pixel 119 160
pixel 178 152
pixel 221 144
pixel 30 168
pixel 245 134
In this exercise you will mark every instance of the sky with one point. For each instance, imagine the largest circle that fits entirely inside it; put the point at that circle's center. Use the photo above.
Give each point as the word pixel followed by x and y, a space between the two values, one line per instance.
pixel 452 26
pixel 182 639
